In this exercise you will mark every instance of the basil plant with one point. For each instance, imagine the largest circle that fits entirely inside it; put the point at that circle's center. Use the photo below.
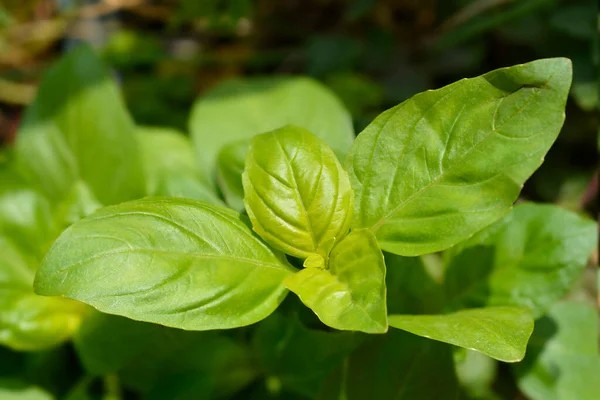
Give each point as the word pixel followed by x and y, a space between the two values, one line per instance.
pixel 407 231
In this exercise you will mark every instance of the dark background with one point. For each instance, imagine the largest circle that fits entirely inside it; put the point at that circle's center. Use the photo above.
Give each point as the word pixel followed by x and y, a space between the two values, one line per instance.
pixel 373 54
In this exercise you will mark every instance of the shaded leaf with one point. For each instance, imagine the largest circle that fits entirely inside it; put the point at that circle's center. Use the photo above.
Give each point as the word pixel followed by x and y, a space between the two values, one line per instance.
pixel 392 366
pixel 410 288
pixel 529 258
pixel 281 346
pixel 562 360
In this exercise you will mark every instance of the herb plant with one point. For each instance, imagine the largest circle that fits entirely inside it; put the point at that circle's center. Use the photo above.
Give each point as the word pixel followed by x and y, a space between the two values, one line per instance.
pixel 273 195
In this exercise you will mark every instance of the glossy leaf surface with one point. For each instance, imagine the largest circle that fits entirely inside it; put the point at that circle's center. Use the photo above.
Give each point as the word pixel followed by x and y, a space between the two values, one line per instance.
pixel 350 294
pixel 296 192
pixel 529 258
pixel 444 164
pixel 240 109
pixel 171 261
pixel 78 128
pixel 499 332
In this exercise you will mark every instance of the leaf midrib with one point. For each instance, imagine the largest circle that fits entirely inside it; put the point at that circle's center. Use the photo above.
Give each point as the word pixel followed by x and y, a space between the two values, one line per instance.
pixel 410 198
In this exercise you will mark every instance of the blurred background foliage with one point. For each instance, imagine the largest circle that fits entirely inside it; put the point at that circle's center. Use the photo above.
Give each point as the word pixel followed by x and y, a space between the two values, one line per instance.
pixel 373 54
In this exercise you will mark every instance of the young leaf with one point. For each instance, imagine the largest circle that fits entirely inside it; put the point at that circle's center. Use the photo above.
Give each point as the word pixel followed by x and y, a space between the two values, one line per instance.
pixel 78 128
pixel 170 166
pixel 444 164
pixel 499 332
pixel 240 109
pixel 230 166
pixel 296 192
pixel 562 361
pixel 171 261
pixel 529 258
pixel 281 346
pixel 29 321
pixel 350 295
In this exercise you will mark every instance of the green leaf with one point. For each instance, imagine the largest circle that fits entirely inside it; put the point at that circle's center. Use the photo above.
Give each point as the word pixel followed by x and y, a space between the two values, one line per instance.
pixel 16 390
pixel 410 288
pixel 230 166
pixel 170 166
pixel 499 332
pixel 177 357
pixel 26 217
pixel 397 366
pixel 529 258
pixel 476 373
pixel 296 192
pixel 281 346
pixel 79 203
pixel 175 262
pixel 562 360
pixel 29 321
pixel 240 109
pixel 106 343
pixel 350 295
pixel 444 164
pixel 27 227
pixel 78 129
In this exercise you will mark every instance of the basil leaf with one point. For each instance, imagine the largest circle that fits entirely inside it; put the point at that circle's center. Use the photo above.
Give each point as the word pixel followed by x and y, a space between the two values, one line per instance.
pixel 187 356
pixel 410 287
pixel 350 295
pixel 296 193
pixel 27 227
pixel 12 389
pixel 393 366
pixel 106 343
pixel 281 345
pixel 170 166
pixel 562 360
pixel 529 258
pixel 171 261
pixel 78 128
pixel 499 332
pixel 444 164
pixel 29 321
pixel 78 203
pixel 240 109
pixel 230 166
pixel 26 217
